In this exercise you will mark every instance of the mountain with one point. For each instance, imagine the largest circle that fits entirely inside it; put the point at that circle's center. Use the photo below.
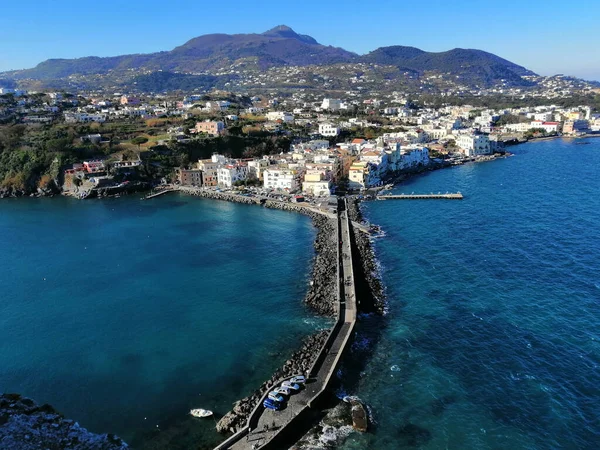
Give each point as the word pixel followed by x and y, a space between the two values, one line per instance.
pixel 278 47
pixel 469 64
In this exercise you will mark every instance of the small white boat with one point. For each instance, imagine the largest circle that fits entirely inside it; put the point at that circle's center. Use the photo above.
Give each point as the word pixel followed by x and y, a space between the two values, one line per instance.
pixel 201 412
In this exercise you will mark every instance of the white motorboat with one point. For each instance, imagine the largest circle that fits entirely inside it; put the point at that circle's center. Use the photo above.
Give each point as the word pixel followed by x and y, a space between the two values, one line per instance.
pixel 201 412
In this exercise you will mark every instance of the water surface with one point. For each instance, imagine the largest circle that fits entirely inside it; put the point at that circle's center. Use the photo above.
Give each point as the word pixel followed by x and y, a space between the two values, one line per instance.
pixel 124 314
pixel 492 339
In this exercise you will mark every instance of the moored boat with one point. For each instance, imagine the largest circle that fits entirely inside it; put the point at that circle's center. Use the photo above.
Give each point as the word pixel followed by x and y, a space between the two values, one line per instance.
pixel 199 412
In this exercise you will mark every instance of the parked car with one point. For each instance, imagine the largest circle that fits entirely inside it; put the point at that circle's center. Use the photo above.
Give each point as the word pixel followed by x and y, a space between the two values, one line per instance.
pixel 290 385
pixel 270 404
pixel 299 379
pixel 283 390
pixel 275 396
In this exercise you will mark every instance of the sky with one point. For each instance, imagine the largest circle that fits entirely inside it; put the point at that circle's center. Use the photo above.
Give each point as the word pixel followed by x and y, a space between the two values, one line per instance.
pixel 547 37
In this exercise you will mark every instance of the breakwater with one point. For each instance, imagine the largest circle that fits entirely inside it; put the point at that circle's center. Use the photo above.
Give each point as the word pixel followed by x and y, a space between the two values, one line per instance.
pixel 279 429
pixel 369 285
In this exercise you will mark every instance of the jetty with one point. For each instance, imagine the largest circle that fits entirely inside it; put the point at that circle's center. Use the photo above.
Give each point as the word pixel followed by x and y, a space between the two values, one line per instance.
pixel 159 193
pixel 267 429
pixel 447 196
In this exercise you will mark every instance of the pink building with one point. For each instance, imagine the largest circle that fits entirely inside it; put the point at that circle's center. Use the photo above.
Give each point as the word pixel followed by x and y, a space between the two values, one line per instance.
pixel 210 127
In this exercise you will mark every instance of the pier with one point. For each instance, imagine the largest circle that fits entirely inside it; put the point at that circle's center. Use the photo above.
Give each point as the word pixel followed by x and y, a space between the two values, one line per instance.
pixel 159 193
pixel 267 429
pixel 454 196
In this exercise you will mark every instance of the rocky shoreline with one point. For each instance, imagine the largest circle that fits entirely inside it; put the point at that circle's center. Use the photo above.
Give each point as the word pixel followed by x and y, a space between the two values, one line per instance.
pixel 372 290
pixel 25 425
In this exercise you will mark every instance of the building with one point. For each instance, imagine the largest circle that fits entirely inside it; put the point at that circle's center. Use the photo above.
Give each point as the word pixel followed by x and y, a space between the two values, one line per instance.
pixel 317 183
pixel 332 104
pixel 125 100
pixel 229 174
pixel 256 168
pixel 191 177
pixel 474 144
pixel 93 166
pixel 575 126
pixel 212 128
pixel 328 129
pixel 274 116
pixel 281 179
pixel 80 117
pixel 209 169
pixel 548 127
pixel 359 175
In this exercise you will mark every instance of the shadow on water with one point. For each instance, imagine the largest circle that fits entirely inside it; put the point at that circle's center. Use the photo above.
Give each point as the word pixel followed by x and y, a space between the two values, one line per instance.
pixel 520 368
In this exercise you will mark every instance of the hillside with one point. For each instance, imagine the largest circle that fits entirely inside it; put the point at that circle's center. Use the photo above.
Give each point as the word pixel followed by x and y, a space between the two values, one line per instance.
pixel 278 47
pixel 472 65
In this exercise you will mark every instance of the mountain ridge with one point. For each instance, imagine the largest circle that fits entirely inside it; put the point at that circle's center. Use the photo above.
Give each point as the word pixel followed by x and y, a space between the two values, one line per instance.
pixel 281 46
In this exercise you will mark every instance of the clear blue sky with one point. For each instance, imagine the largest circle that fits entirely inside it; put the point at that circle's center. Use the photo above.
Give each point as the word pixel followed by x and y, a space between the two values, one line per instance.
pixel 547 37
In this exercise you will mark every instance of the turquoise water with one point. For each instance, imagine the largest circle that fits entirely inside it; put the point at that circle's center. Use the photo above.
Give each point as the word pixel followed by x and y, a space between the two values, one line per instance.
pixel 492 340
pixel 124 314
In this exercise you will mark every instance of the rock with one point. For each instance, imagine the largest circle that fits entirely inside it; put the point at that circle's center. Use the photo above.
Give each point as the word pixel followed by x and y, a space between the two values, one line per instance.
pixel 360 421
pixel 25 426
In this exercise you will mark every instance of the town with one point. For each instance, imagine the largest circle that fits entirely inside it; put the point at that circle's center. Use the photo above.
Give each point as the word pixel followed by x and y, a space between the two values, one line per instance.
pixel 288 145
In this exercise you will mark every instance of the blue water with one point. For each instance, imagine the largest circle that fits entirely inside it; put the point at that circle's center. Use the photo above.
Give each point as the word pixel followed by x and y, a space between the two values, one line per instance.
pixel 492 340
pixel 124 314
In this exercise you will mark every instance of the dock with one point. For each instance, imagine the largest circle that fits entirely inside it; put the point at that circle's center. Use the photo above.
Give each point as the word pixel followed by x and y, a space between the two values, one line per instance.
pixel 267 429
pixel 157 194
pixel 454 196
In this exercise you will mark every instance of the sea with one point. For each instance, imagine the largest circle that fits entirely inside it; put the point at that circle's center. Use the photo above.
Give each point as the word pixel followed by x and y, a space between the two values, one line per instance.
pixel 125 314
pixel 492 335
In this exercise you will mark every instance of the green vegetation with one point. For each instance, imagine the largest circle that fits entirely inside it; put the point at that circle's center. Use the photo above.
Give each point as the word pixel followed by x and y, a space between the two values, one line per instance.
pixel 35 156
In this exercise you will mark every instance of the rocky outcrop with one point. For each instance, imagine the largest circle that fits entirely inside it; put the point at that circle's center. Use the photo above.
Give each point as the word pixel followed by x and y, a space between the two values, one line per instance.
pixel 299 363
pixel 360 422
pixel 339 422
pixel 26 426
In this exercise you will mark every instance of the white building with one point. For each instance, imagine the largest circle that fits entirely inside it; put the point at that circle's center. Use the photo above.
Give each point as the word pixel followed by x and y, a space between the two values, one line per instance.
pixel 281 179
pixel 229 174
pixel 333 104
pixel 328 129
pixel 413 156
pixel 518 127
pixel 280 115
pixel 548 127
pixel 84 117
pixel 474 144
pixel 256 168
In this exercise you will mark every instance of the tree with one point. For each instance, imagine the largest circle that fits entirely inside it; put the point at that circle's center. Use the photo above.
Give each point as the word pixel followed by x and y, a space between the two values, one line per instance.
pixel 139 140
